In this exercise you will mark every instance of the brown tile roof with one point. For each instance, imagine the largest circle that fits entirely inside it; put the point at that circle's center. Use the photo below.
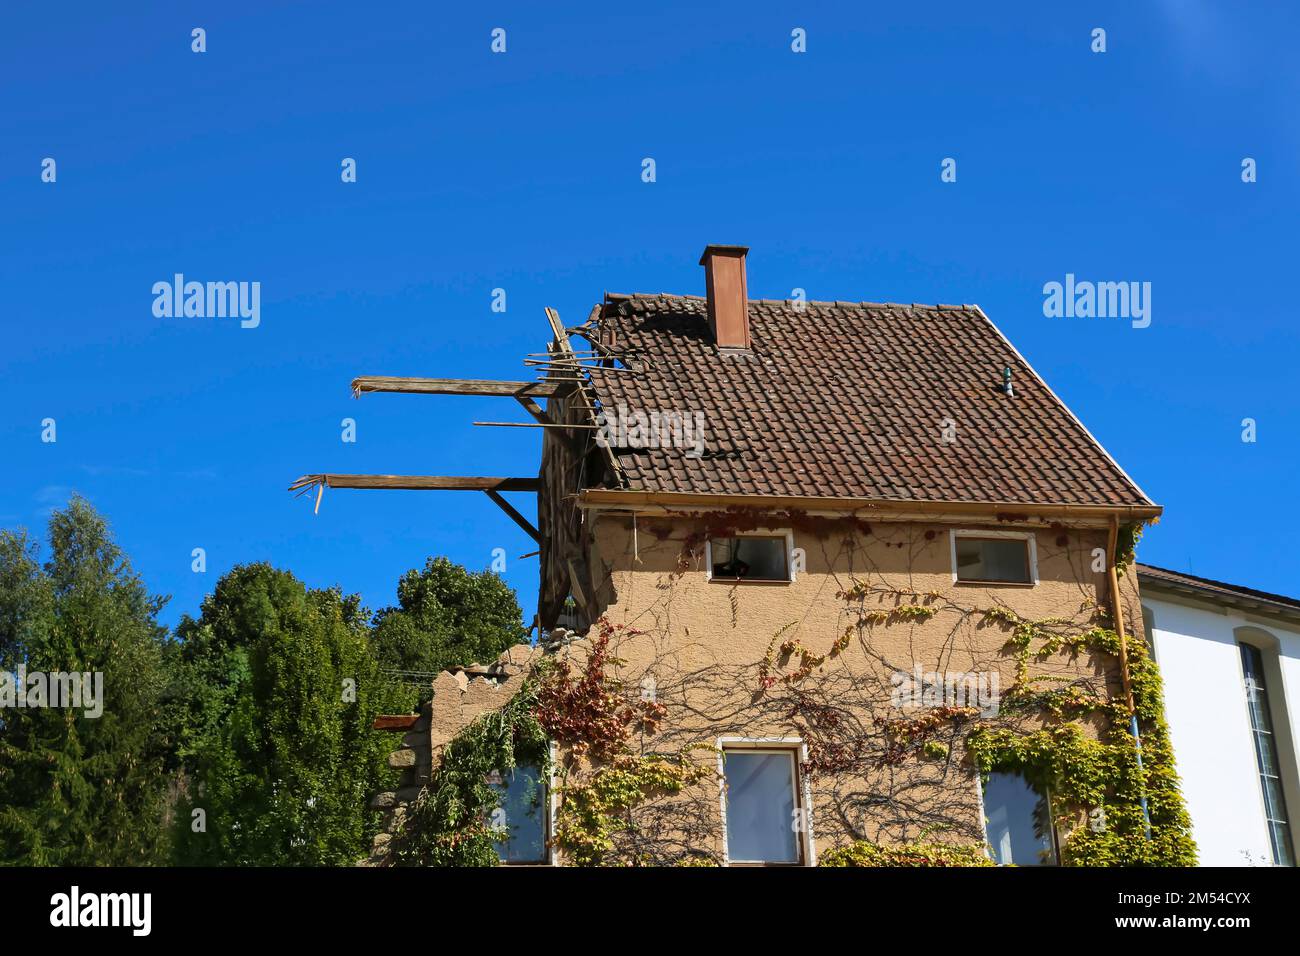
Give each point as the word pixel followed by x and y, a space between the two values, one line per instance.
pixel 845 399
pixel 1155 578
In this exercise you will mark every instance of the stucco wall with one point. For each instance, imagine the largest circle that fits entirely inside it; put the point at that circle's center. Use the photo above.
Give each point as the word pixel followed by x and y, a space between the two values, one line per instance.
pixel 1205 704
pixel 702 642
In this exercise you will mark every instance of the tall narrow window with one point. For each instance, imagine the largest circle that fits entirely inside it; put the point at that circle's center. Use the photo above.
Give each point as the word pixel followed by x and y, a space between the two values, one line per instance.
pixel 1018 820
pixel 521 815
pixel 1270 778
pixel 762 806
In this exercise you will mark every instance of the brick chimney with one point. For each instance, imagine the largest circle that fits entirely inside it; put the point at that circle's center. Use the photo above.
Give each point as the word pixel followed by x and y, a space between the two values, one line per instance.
pixel 724 278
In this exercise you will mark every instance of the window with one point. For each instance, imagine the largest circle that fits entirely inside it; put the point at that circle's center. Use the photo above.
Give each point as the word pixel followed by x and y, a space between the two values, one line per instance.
pixel 750 558
pixel 1149 629
pixel 1266 757
pixel 762 806
pixel 522 813
pixel 993 558
pixel 1018 821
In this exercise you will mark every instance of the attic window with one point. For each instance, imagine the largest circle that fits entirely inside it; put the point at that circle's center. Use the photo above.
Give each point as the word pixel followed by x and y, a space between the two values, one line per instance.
pixel 993 557
pixel 750 557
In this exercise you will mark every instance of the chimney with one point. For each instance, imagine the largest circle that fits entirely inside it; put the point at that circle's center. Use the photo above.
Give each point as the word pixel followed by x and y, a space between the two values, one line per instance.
pixel 724 278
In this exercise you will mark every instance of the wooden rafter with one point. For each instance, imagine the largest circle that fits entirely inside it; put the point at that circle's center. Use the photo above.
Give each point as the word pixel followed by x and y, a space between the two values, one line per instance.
pixel 417 482
pixel 562 349
pixel 458 386
pixel 515 516
pixel 492 487
pixel 535 410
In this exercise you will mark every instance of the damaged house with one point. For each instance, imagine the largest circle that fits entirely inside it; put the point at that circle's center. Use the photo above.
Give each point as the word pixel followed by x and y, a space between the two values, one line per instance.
pixel 821 583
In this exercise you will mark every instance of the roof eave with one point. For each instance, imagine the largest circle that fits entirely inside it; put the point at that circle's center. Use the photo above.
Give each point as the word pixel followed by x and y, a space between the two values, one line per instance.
pixel 626 499
pixel 1220 595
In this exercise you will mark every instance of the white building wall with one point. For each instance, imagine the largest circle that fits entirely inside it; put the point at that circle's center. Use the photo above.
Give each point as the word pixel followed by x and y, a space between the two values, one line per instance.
pixel 1205 703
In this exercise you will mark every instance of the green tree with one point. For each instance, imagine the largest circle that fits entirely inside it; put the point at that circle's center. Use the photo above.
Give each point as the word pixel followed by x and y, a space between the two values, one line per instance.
pixel 280 686
pixel 78 789
pixel 447 616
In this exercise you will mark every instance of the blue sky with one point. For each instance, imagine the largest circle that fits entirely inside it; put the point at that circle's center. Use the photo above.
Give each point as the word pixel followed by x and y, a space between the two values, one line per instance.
pixel 522 171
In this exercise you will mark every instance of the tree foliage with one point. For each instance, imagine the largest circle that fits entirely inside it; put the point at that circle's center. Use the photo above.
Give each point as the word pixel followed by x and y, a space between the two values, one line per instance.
pixel 447 616
pixel 281 687
pixel 77 789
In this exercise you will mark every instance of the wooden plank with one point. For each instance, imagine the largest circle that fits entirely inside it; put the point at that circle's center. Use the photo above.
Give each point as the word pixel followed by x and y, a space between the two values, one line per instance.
pixel 515 516
pixel 418 482
pixel 575 584
pixel 456 386
pixel 534 409
pixel 395 721
pixel 537 425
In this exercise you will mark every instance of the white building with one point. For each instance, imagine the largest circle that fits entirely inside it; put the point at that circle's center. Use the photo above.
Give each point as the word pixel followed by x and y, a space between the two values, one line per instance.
pixel 1230 659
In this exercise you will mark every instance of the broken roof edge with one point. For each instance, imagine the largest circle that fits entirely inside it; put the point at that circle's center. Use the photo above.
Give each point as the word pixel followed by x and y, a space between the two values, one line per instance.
pixel 615 498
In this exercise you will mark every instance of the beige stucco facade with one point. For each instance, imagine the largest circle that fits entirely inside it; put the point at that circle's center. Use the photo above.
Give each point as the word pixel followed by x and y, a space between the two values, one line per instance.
pixel 698 645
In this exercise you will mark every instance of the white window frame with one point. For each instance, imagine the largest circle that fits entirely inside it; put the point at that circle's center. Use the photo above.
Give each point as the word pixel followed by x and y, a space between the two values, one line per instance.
pixel 984 824
pixel 1254 636
pixel 757 533
pixel 1029 536
pixel 799 750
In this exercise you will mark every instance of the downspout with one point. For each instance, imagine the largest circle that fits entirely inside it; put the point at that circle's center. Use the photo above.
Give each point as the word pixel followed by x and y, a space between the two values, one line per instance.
pixel 1118 613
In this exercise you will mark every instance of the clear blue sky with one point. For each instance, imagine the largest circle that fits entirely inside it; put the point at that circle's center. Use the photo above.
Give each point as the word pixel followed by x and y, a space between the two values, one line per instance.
pixel 522 171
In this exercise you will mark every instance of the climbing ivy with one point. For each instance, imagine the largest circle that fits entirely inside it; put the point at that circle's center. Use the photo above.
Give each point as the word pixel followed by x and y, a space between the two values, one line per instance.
pixel 450 822
pixel 605 785
pixel 592 813
pixel 1084 775
pixel 589 715
pixel 906 854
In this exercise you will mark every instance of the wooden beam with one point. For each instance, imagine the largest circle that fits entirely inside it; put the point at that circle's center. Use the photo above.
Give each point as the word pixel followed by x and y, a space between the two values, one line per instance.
pixel 575 584
pixel 515 516
pixel 535 410
pixel 538 425
pixel 395 721
pixel 418 482
pixel 456 386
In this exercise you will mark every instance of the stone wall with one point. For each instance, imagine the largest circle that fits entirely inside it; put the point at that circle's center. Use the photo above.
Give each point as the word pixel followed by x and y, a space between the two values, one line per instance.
pixel 459 696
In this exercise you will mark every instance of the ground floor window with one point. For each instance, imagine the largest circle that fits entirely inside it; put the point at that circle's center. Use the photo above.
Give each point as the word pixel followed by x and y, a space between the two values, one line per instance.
pixel 522 814
pixel 1018 820
pixel 763 808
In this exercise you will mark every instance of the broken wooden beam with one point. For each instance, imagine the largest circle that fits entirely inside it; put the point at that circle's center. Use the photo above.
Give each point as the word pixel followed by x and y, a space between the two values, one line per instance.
pixel 538 425
pixel 515 516
pixel 456 386
pixel 535 410
pixel 418 482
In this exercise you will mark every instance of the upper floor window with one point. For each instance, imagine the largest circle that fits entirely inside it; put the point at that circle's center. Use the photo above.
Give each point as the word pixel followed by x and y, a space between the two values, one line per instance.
pixel 522 814
pixel 762 805
pixel 994 557
pixel 1018 821
pixel 1266 755
pixel 750 557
